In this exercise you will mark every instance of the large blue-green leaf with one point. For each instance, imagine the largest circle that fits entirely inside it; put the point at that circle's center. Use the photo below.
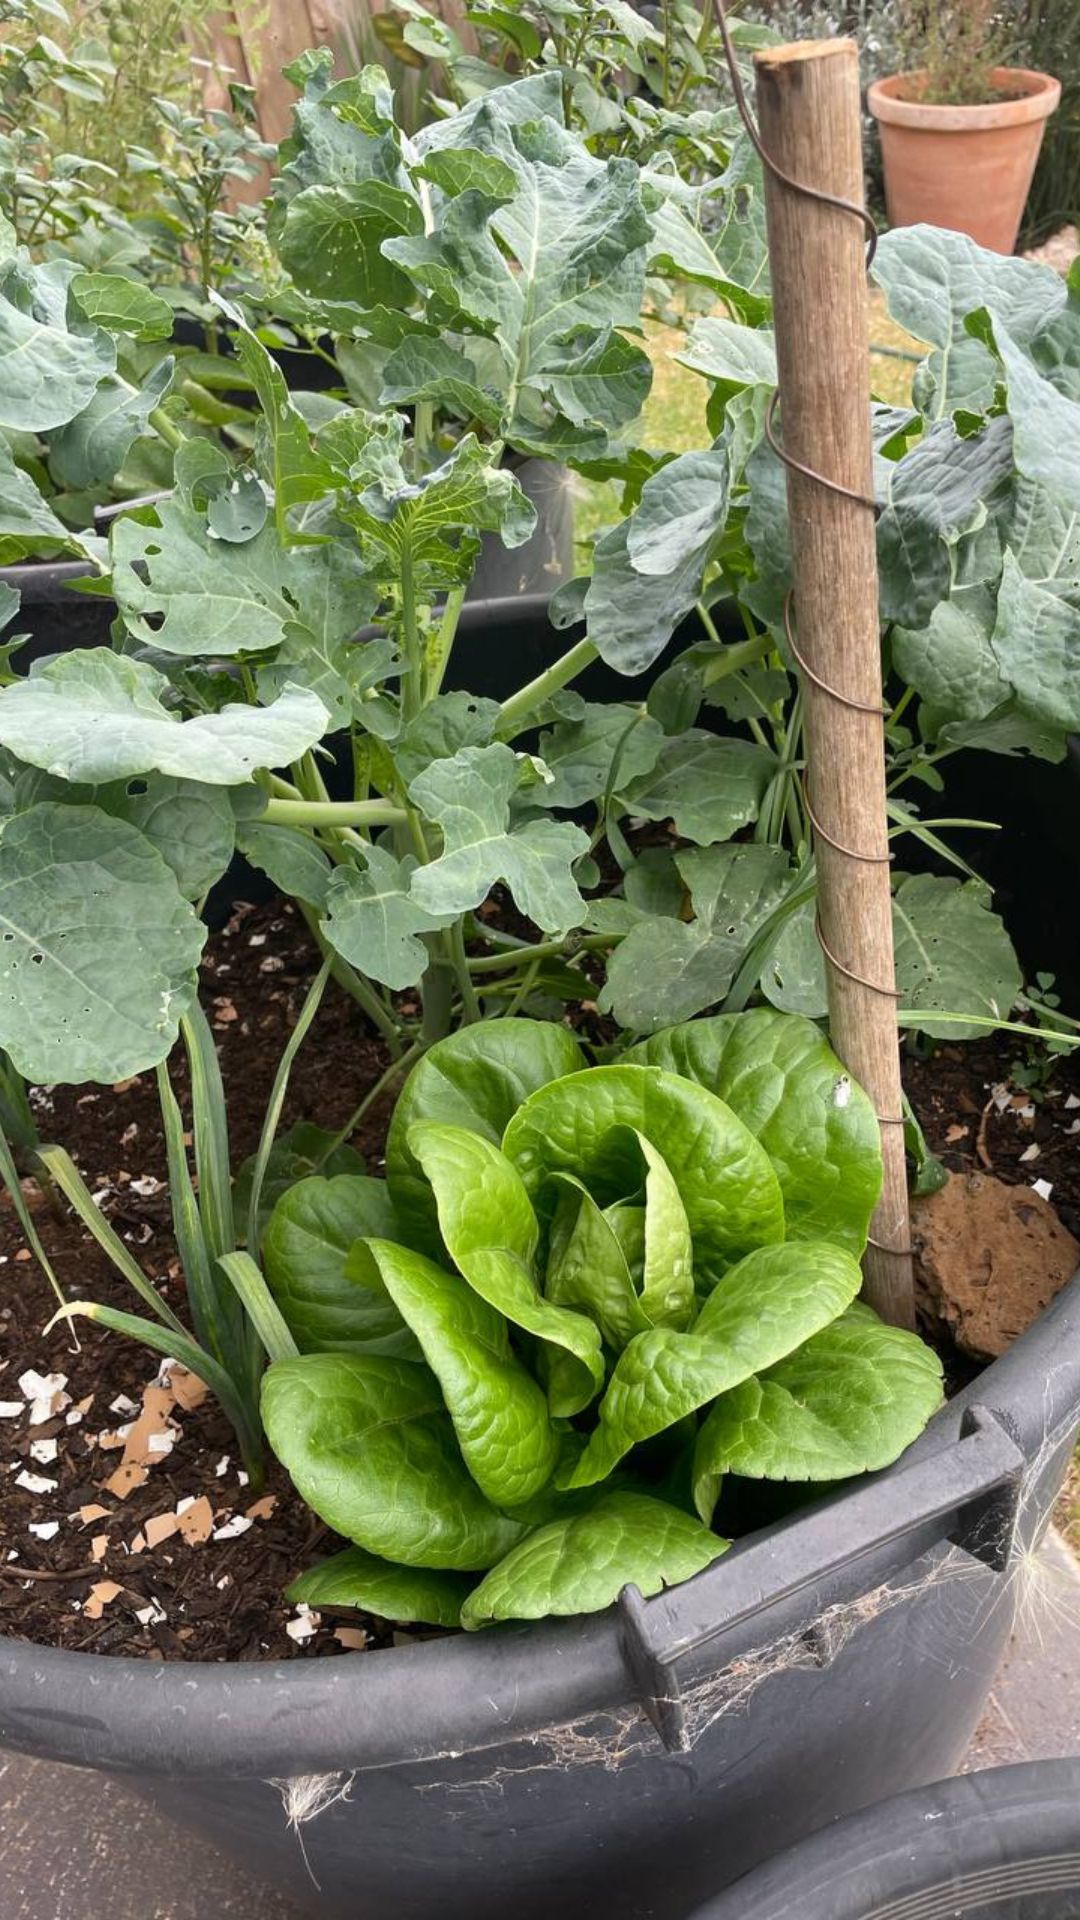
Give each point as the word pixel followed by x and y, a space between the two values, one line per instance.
pixel 90 449
pixel 565 252
pixel 48 371
pixel 97 716
pixel 668 969
pixel 324 1298
pixel 779 1074
pixel 368 1444
pixel 707 786
pixel 98 947
pixel 591 744
pixel 648 572
pixel 582 1563
pixel 933 279
pixel 953 955
pixel 374 921
pixel 331 241
pixel 192 825
pixel 475 1078
pixel 585 1125
pixel 848 1401
pixel 469 797
pixel 183 591
pixel 499 1412
pixel 764 1309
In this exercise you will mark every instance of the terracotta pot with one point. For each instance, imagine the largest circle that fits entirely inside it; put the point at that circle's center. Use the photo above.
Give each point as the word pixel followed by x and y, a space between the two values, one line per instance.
pixel 968 168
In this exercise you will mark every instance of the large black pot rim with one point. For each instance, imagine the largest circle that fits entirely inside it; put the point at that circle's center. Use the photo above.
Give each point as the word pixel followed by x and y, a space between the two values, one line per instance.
pixel 445 1697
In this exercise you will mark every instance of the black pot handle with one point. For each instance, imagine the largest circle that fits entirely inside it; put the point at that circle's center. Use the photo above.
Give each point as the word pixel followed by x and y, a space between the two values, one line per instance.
pixel 974 1482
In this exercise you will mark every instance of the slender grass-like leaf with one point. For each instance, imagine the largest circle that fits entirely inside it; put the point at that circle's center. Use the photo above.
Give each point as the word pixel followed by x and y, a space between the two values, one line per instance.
pixel 9 1174
pixel 15 1115
pixel 59 1164
pixel 211 1133
pixel 277 1100
pixel 259 1305
pixel 174 1344
pixel 205 1296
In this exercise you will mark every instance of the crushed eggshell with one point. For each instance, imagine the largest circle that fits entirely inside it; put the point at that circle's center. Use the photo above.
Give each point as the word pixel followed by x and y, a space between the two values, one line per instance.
pixel 101 1595
pixel 99 1546
pixel 188 1390
pixel 263 1508
pixel 44 1529
pixel 1032 1152
pixel 306 1624
pixel 127 1477
pixel 91 1513
pixel 123 1404
pixel 233 1528
pixel 196 1520
pixel 45 1392
pixel 1043 1187
pixel 12 1409
pixel 36 1482
pixel 352 1637
pixel 151 1615
pixel 43 1451
pixel 161 1527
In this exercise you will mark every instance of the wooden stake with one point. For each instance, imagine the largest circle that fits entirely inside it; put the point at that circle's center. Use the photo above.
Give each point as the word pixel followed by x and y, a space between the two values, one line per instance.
pixel 810 122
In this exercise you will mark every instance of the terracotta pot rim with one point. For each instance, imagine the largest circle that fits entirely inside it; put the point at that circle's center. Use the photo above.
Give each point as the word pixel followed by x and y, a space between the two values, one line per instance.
pixel 1037 100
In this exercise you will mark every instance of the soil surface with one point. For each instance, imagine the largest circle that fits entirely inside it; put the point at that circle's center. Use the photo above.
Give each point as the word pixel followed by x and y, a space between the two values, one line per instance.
pixel 126 1522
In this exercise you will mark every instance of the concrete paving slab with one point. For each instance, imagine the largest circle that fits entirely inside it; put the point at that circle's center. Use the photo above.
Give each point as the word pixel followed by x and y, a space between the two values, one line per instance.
pixel 74 1846
pixel 1034 1709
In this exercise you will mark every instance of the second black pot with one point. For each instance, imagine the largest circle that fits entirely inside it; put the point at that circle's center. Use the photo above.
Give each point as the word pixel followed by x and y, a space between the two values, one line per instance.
pixel 1001 1845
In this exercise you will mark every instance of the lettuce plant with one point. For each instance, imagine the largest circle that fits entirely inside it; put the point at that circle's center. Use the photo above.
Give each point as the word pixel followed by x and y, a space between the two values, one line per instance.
pixel 516 1373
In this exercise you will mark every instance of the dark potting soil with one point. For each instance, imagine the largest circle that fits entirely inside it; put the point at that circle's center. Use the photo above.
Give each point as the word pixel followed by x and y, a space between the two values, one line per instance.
pixel 178 1557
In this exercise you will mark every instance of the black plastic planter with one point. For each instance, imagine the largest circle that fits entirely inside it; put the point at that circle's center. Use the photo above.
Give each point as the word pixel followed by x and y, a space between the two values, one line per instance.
pixel 57 618
pixel 630 1763
pixel 1003 1845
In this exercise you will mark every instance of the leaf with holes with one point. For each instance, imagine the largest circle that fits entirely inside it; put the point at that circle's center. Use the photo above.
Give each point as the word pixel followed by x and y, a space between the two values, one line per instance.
pixel 469 797
pixel 183 591
pixel 98 947
pixel 667 969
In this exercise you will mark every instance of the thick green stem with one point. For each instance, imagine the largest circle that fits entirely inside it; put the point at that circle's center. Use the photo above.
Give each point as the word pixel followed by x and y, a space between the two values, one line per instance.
pixel 354 984
pixel 333 813
pixel 541 950
pixel 444 641
pixel 170 433
pixel 516 713
pixel 459 960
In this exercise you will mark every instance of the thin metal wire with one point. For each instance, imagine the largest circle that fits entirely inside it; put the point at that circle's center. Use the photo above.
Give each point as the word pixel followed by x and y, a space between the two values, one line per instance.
pixel 872 986
pixel 869 859
pixel 810 473
pixel 834 693
pixel 796 186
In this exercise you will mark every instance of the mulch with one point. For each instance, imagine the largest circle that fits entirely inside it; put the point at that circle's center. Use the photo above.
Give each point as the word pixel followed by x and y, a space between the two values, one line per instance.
pixel 83 1565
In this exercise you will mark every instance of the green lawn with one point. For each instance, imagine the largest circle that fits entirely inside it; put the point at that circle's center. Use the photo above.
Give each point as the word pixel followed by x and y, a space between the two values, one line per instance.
pixel 674 415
